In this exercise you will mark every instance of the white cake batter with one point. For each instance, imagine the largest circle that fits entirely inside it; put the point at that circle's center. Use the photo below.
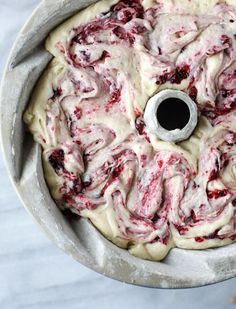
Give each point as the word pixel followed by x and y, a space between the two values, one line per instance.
pixel 87 113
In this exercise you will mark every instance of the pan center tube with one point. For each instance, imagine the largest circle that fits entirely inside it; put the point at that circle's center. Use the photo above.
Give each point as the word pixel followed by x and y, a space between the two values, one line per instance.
pixel 171 115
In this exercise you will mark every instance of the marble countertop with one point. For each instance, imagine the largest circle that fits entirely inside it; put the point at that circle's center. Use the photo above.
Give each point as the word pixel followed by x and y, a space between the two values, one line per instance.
pixel 35 274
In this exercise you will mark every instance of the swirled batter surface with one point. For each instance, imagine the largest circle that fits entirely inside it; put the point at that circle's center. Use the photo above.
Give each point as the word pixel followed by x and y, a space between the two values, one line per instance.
pixel 99 159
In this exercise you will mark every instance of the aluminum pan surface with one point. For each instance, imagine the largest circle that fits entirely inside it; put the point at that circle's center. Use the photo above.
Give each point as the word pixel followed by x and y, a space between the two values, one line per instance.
pixel 78 238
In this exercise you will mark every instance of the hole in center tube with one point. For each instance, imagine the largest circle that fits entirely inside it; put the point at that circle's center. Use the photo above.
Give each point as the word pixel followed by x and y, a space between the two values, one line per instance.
pixel 172 114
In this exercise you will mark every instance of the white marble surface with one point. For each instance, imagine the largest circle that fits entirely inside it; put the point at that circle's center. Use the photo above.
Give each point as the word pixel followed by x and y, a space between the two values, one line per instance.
pixel 35 274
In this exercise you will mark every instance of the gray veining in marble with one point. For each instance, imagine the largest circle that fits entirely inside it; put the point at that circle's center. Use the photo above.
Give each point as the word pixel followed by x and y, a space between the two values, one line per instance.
pixel 34 273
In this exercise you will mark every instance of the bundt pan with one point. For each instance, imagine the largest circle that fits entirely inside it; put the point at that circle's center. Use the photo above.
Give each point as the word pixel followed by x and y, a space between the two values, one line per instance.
pixel 77 237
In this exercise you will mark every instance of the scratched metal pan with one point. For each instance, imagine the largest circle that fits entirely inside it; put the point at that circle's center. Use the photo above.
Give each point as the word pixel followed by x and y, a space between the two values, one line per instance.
pixel 77 237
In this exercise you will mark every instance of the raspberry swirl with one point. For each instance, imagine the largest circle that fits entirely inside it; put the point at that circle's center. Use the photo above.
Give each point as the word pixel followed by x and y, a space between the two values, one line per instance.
pixel 99 158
